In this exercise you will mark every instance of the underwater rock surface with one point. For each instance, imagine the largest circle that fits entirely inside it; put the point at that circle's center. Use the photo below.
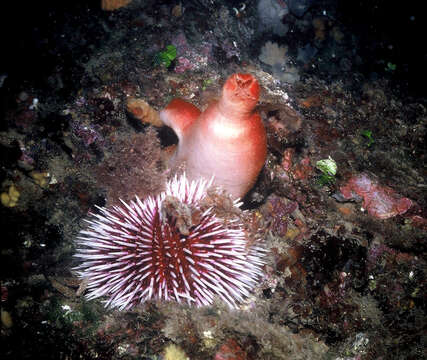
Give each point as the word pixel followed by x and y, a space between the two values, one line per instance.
pixel 341 82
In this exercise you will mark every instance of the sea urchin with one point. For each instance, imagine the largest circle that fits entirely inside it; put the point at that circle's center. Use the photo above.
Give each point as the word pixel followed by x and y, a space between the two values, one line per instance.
pixel 143 250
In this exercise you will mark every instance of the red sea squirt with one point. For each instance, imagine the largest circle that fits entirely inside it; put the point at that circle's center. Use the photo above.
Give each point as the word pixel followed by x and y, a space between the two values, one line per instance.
pixel 227 140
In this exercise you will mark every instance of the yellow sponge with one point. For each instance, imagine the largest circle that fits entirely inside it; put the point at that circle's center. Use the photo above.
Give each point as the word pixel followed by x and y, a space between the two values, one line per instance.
pixel 173 352
pixel 11 197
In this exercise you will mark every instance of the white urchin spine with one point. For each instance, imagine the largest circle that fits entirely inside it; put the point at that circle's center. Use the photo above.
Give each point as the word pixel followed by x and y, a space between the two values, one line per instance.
pixel 130 255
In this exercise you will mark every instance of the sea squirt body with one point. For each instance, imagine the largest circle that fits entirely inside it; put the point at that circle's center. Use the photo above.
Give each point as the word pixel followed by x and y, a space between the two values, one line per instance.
pixel 227 140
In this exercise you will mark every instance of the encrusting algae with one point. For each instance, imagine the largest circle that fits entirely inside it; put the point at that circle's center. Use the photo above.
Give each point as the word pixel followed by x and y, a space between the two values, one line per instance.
pixel 110 5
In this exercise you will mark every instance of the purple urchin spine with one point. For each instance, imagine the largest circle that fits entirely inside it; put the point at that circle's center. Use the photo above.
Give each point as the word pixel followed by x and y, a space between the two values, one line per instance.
pixel 133 253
